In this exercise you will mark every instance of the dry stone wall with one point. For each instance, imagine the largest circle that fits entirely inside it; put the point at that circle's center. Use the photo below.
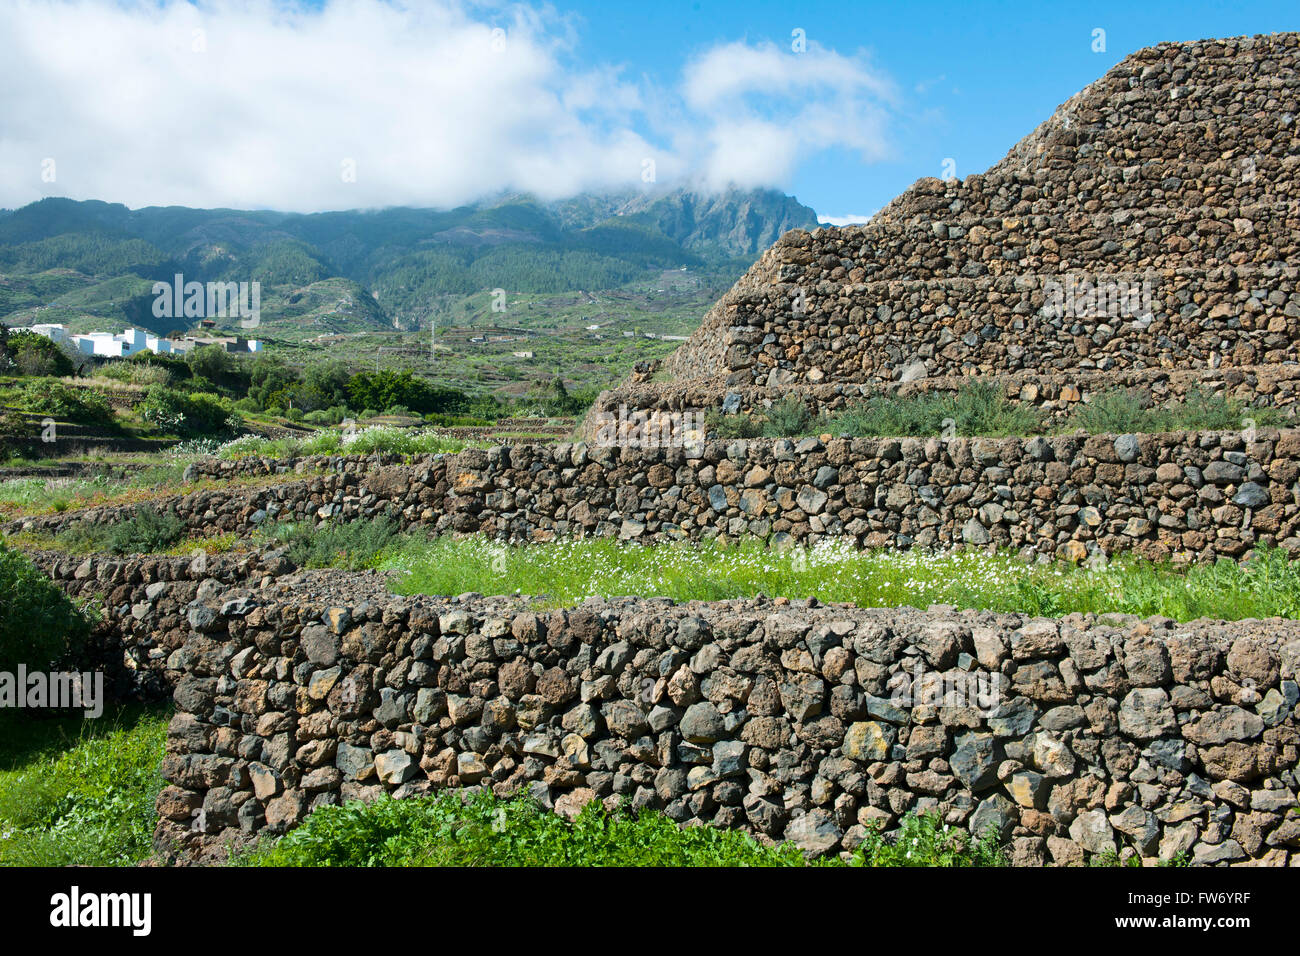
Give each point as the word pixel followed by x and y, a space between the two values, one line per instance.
pixel 1193 495
pixel 151 605
pixel 793 720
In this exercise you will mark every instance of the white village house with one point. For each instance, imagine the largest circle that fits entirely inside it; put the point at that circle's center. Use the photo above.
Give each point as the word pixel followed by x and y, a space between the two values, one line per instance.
pixel 128 343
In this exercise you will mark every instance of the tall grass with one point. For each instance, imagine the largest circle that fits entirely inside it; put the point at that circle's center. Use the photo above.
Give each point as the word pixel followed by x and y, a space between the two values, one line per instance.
pixel 572 571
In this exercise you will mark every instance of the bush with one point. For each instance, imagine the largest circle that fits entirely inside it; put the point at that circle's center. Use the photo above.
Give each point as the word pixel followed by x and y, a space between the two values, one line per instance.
pixel 387 388
pixel 147 531
pixel 33 354
pixel 39 624
pixel 790 416
pixel 199 413
pixel 979 408
pixel 1127 411
pixel 401 441
pixel 326 416
pixel 733 426
pixel 354 545
pixel 48 397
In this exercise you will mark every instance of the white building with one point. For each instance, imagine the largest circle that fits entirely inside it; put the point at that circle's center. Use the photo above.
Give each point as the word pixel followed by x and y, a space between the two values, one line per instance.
pixel 133 341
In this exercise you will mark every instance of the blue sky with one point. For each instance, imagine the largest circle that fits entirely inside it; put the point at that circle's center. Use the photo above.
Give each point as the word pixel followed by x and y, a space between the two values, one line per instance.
pixel 974 78
pixel 342 104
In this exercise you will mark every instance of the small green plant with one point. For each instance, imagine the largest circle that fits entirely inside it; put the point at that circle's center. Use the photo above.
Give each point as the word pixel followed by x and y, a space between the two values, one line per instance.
pixel 978 408
pixel 923 839
pixel 1110 858
pixel 1127 411
pixel 733 426
pixel 474 828
pixel 790 416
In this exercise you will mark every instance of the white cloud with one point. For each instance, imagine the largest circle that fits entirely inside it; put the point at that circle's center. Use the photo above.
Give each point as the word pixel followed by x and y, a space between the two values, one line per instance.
pixel 850 219
pixel 258 103
pixel 767 109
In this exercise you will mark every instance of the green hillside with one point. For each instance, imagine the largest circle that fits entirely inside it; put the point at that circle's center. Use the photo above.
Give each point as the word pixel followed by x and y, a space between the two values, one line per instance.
pixel 93 263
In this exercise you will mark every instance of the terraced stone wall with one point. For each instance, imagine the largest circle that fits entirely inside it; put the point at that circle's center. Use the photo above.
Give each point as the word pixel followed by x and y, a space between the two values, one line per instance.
pixel 1197 496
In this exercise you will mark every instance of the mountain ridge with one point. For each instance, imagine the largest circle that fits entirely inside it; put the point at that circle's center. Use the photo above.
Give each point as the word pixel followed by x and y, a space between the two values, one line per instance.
pixel 392 263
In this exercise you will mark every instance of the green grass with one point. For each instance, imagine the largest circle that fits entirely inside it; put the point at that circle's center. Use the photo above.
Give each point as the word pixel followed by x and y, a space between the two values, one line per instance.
pixel 569 572
pixel 474 828
pixel 28 496
pixel 75 791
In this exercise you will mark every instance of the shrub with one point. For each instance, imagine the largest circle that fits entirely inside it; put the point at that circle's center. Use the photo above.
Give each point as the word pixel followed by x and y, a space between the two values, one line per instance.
pixel 34 354
pixel 1125 411
pixel 387 388
pixel 353 545
pixel 326 416
pixel 199 413
pixel 39 624
pixel 788 417
pixel 48 397
pixel 15 431
pixel 978 408
pixel 148 530
pixel 733 426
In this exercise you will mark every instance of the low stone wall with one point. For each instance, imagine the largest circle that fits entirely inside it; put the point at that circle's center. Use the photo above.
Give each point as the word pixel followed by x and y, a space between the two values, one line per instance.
pixel 790 719
pixel 1193 495
pixel 146 603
